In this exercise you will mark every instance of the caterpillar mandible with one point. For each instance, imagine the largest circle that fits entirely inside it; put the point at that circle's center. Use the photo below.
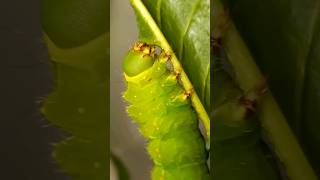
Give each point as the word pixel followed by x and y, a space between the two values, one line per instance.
pixel 162 109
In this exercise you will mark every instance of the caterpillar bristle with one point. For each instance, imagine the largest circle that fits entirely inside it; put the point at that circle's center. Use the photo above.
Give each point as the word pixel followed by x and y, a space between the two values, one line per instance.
pixel 163 110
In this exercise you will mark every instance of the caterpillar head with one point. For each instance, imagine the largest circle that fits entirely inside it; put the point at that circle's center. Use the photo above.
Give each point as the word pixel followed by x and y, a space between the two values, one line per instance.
pixel 139 58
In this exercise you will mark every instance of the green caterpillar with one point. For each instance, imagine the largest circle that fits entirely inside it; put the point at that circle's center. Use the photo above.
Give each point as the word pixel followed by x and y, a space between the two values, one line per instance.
pixel 162 109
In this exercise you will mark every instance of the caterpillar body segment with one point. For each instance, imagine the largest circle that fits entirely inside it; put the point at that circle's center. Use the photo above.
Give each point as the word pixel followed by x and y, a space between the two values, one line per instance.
pixel 163 110
pixel 139 58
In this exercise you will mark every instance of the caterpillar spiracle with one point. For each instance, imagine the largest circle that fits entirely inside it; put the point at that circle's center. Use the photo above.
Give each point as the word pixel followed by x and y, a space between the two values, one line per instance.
pixel 163 110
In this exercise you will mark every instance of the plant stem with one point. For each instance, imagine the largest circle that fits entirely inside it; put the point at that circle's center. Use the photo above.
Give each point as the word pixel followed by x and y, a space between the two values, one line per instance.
pixel 272 119
pixel 163 43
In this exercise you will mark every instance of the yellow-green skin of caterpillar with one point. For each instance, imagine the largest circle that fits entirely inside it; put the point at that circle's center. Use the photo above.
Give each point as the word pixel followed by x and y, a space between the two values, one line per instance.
pixel 163 111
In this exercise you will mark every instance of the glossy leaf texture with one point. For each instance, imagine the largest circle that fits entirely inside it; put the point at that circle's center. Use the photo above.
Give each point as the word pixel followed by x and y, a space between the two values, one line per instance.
pixel 284 38
pixel 77 39
pixel 186 25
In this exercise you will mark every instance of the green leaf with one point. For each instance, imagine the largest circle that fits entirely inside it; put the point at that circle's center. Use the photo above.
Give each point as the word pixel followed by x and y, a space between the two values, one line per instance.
pixel 79 102
pixel 284 38
pixel 186 26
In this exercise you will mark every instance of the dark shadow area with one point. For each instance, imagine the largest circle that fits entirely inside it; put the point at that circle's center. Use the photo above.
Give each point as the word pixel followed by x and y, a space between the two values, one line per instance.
pixel 25 78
